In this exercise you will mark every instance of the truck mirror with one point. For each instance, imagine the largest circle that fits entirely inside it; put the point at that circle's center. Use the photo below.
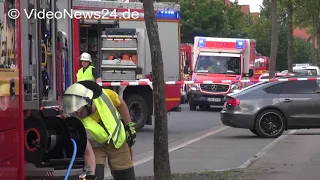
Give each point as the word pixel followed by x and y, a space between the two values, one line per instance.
pixel 250 72
pixel 186 69
pixel 187 62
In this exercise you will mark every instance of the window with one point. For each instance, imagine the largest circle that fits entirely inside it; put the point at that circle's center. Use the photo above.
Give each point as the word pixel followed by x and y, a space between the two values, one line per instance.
pixel 313 72
pixel 259 63
pixel 218 65
pixel 293 87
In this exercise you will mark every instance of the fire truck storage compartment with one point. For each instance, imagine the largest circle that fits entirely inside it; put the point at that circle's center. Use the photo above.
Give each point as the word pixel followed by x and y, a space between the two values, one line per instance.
pixel 119 54
pixel 48 139
pixel 114 42
pixel 170 46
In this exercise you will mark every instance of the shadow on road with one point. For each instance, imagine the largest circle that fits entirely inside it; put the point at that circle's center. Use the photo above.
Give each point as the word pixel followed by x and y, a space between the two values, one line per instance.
pixel 306 133
pixel 210 109
pixel 240 137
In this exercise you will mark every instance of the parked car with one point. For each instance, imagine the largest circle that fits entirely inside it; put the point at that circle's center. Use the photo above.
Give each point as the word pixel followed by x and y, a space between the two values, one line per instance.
pixel 269 108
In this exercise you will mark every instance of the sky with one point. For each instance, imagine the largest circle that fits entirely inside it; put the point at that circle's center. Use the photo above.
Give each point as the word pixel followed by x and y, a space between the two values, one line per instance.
pixel 254 4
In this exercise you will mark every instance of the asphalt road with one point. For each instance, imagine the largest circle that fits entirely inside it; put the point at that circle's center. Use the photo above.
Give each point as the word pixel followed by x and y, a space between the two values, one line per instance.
pixel 296 157
pixel 198 142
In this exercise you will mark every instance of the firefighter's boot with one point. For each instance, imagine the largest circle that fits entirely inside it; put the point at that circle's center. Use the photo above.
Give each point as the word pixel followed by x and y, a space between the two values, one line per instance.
pixel 99 171
pixel 127 174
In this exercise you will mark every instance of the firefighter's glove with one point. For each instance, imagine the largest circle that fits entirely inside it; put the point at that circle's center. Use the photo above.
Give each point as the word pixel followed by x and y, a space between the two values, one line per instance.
pixel 131 133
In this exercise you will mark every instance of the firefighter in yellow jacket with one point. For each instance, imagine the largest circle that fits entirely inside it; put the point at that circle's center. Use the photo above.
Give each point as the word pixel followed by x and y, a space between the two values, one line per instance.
pixel 87 70
pixel 99 111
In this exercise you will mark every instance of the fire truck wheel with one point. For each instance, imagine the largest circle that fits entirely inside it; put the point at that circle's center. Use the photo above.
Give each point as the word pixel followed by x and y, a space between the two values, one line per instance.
pixel 138 110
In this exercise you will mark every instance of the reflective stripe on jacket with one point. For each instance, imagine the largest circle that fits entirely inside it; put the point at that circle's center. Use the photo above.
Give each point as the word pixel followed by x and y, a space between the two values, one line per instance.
pixel 111 127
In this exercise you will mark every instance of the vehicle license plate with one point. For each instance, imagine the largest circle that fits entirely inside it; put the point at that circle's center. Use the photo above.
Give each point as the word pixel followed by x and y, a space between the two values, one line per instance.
pixel 214 99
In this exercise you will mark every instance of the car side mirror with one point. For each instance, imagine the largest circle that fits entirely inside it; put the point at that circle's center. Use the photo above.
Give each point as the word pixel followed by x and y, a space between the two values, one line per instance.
pixel 250 72
pixel 187 62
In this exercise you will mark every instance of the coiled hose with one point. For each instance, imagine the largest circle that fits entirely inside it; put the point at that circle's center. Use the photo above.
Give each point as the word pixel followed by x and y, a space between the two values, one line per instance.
pixel 72 159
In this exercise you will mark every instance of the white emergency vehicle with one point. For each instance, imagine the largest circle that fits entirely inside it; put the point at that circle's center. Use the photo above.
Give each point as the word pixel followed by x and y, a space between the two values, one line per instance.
pixel 315 70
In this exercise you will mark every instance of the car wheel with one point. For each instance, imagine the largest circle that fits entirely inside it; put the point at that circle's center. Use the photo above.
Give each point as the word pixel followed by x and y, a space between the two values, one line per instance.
pixel 254 131
pixel 270 124
pixel 192 107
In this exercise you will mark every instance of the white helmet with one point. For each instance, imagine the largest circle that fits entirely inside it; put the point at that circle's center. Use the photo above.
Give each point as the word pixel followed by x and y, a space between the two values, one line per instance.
pixel 85 57
pixel 75 97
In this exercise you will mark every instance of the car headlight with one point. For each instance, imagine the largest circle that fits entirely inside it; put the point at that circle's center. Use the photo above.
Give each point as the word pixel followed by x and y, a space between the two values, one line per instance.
pixel 194 87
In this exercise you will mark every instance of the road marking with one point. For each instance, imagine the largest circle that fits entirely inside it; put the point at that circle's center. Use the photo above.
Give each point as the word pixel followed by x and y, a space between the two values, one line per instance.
pixel 261 153
pixel 177 147
pixel 146 159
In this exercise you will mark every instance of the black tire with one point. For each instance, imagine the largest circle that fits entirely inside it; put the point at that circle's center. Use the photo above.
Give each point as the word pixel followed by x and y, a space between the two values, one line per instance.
pixel 254 131
pixel 138 110
pixel 269 120
pixel 192 106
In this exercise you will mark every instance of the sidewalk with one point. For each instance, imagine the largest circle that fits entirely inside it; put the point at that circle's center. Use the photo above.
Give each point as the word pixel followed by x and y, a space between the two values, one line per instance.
pixel 297 157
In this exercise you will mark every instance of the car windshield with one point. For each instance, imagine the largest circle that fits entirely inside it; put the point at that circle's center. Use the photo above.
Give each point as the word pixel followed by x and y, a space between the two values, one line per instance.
pixel 302 72
pixel 218 65
pixel 313 71
pixel 259 63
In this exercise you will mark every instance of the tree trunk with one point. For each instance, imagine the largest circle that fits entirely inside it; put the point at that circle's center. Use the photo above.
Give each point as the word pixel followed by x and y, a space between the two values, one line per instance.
pixel 313 49
pixel 162 170
pixel 274 40
pixel 318 45
pixel 290 36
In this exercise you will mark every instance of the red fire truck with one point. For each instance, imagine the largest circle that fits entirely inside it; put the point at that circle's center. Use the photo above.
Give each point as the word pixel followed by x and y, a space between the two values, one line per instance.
pixel 186 62
pixel 219 59
pixel 126 36
pixel 261 66
pixel 39 58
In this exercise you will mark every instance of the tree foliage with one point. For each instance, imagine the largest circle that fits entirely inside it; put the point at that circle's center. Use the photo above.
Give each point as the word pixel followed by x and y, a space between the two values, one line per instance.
pixel 215 19
pixel 210 18
pixel 302 51
pixel 308 16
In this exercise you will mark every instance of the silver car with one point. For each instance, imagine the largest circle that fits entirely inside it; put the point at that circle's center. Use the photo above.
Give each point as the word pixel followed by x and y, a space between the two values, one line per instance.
pixel 269 108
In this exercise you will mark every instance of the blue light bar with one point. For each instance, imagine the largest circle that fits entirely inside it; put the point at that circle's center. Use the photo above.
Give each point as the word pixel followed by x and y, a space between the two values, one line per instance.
pixel 202 43
pixel 168 14
pixel 240 44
